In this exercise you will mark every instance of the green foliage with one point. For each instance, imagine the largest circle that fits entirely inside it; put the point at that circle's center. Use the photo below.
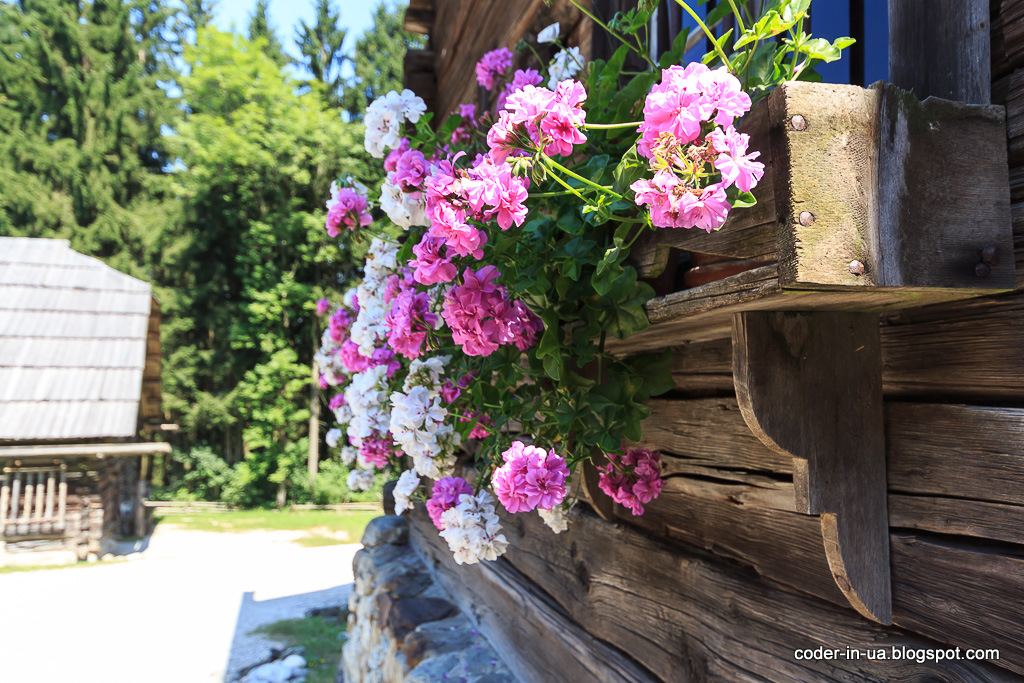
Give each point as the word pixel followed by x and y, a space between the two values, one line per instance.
pixel 81 112
pixel 260 29
pixel 380 55
pixel 320 637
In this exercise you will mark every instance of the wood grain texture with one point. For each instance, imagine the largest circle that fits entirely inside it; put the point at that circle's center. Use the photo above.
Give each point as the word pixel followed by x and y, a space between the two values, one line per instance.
pixel 966 597
pixel 810 385
pixel 683 614
pixel 959 70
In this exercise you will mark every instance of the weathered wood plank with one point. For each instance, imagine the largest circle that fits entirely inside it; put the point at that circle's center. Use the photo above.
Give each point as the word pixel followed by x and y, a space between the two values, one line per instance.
pixel 710 433
pixel 683 613
pixel 961 70
pixel 959 516
pixel 956 451
pixel 970 349
pixel 965 597
pixel 542 643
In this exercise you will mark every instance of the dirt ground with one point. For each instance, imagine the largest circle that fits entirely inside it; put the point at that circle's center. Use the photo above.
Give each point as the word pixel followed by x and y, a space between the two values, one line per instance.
pixel 180 612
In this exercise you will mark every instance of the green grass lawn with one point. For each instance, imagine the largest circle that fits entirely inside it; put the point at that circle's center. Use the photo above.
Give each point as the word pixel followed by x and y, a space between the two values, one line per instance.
pixel 322 527
pixel 322 637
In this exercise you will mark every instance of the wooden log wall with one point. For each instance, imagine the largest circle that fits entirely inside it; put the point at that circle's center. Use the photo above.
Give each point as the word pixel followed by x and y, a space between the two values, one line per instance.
pixel 723 579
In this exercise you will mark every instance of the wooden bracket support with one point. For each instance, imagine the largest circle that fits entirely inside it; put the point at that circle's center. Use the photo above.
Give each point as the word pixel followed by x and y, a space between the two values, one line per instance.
pixel 809 384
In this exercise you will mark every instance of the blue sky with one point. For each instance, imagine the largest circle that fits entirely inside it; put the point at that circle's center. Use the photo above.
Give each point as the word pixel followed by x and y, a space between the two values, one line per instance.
pixel 356 15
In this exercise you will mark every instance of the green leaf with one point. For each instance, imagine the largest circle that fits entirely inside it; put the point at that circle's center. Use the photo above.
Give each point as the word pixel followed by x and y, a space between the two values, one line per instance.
pixel 628 171
pixel 553 367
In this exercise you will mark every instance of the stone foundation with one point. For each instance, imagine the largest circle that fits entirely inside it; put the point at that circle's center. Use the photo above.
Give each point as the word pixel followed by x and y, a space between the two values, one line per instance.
pixel 402 626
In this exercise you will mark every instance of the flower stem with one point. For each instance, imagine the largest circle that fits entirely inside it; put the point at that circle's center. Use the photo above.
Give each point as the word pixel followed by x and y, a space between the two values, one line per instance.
pixel 608 28
pixel 580 178
pixel 609 126
pixel 739 19
pixel 707 32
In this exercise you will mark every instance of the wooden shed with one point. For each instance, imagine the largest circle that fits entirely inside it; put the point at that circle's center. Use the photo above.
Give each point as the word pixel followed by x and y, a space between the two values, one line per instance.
pixel 79 379
pixel 843 451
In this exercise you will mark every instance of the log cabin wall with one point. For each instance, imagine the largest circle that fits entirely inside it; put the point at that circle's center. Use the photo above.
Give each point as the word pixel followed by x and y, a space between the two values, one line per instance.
pixel 722 579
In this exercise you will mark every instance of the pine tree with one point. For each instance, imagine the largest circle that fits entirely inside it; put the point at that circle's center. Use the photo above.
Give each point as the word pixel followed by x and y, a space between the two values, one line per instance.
pixel 199 13
pixel 259 27
pixel 321 48
pixel 380 56
pixel 81 111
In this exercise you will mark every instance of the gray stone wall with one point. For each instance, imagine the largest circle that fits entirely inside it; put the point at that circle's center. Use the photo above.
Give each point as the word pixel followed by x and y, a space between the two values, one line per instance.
pixel 402 626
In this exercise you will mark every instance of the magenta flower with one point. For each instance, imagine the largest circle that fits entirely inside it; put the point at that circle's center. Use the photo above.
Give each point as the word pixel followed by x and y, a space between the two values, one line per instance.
pixel 337 401
pixel 391 160
pixel 445 495
pixel 530 478
pixel 322 305
pixel 632 479
pixel 411 170
pixel 376 449
pixel 706 211
pixel 324 384
pixel 347 208
pixel 408 321
pixel 492 66
pixel 551 120
pixel 429 266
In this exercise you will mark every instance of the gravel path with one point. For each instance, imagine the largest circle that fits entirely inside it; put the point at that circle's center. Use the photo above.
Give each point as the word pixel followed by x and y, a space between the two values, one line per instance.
pixel 181 613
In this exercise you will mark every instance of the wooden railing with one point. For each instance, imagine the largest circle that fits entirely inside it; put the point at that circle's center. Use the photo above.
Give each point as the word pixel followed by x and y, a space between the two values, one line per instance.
pixel 33 501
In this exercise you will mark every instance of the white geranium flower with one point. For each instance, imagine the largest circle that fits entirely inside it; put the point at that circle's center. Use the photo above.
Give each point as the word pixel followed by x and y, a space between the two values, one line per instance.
pixel 406 486
pixel 472 530
pixel 349 455
pixel 360 480
pixel 566 64
pixel 549 34
pixel 554 518
pixel 332 437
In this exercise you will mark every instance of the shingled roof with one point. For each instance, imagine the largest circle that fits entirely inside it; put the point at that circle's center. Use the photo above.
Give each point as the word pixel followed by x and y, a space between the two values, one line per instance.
pixel 72 343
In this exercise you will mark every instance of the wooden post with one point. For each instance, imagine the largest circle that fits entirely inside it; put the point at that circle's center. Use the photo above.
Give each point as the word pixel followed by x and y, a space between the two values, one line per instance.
pixel 26 512
pixel 809 385
pixel 62 497
pixel 941 48
pixel 140 497
pixel 51 486
pixel 5 499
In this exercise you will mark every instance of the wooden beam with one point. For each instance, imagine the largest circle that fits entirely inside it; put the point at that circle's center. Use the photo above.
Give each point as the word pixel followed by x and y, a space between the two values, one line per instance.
pixel 810 385
pixel 941 48
pixel 112 450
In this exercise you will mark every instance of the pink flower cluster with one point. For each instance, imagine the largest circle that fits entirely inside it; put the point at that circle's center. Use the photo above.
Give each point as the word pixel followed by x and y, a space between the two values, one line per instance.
pixel 445 495
pixel 429 267
pixel 408 321
pixel 486 192
pixel 520 79
pixel 339 323
pixel 337 401
pixel 322 305
pixel 492 66
pixel 463 133
pixel 408 169
pixel 632 479
pixel 376 449
pixel 688 118
pixel 482 318
pixel 530 478
pixel 357 362
pixel 550 120
pixel 349 208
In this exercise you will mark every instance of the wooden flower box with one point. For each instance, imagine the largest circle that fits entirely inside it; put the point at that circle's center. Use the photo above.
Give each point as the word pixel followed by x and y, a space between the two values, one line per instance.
pixel 871 201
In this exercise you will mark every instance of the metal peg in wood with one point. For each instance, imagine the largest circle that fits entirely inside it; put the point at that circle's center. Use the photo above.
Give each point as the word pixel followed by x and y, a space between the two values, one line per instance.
pixel 798 122
pixel 806 218
pixel 990 255
pixel 856 268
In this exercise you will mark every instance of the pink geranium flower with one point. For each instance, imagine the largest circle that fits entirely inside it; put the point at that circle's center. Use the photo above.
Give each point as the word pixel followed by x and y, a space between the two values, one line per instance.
pixel 492 66
pixel 347 208
pixel 632 479
pixel 445 495
pixel 429 266
pixel 738 168
pixel 530 478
